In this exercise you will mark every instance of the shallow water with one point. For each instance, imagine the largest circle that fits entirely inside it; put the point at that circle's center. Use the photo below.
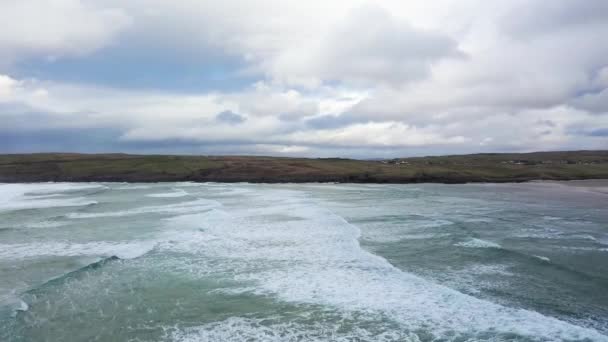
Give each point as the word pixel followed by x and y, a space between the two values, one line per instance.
pixel 310 262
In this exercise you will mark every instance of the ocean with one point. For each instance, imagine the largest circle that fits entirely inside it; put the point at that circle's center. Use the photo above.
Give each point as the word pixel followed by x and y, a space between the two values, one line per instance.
pixel 303 262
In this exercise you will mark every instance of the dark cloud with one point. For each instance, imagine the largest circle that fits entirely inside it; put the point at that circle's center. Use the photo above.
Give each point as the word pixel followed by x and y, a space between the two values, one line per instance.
pixel 541 16
pixel 17 116
pixel 28 129
pixel 580 130
pixel 230 117
pixel 547 123
pixel 331 121
pixel 595 102
pixel 60 140
pixel 600 132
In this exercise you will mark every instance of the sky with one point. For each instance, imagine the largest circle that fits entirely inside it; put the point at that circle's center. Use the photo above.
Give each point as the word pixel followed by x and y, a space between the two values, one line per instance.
pixel 315 78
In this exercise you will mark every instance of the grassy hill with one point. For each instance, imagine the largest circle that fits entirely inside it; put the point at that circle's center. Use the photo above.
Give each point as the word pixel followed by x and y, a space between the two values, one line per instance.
pixel 511 167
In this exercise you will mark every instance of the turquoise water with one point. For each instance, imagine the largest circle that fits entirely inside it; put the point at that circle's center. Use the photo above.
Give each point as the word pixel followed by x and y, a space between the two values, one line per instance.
pixel 310 262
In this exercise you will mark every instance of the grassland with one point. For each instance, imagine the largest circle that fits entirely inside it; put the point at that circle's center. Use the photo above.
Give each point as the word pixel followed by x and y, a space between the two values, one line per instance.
pixel 45 167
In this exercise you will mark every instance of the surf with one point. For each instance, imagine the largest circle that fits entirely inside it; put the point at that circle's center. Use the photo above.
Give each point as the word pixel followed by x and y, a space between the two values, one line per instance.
pixel 317 259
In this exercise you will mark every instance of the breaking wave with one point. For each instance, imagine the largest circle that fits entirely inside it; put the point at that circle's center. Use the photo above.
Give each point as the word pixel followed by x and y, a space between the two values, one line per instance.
pixel 123 250
pixel 316 259
pixel 183 207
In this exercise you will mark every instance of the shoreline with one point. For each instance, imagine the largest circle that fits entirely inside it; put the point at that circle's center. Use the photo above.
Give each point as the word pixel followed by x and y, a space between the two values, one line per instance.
pixel 566 182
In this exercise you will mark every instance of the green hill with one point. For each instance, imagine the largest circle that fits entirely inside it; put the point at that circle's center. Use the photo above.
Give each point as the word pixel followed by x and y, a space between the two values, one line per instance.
pixel 510 167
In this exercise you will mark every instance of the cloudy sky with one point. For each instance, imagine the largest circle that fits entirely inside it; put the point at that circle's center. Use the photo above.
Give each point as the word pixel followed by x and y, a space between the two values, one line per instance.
pixel 303 78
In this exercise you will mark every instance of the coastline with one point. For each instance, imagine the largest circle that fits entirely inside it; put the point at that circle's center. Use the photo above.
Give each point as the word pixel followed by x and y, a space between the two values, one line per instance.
pixel 476 168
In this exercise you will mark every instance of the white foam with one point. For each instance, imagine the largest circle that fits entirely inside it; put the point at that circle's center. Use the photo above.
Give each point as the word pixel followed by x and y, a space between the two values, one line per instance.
pixel 552 218
pixel 22 306
pixel 317 260
pixel 54 188
pixel 45 224
pixel 477 243
pixel 543 258
pixel 133 187
pixel 28 196
pixel 472 279
pixel 479 219
pixel 177 208
pixel 584 237
pixel 239 329
pixel 172 194
pixel 123 250
pixel 388 234
pixel 423 236
pixel 11 300
pixel 190 184
pixel 489 269
pixel 590 249
pixel 198 220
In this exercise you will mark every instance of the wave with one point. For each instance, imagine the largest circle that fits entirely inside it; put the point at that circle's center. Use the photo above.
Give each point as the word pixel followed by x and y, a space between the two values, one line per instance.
pixel 132 187
pixel 59 188
pixel 313 258
pixel 552 218
pixel 74 274
pixel 26 203
pixel 48 195
pixel 17 303
pixel 190 184
pixel 317 260
pixel 238 329
pixel 124 250
pixel 545 261
pixel 45 224
pixel 543 258
pixel 11 305
pixel 183 207
pixel 478 243
pixel 172 194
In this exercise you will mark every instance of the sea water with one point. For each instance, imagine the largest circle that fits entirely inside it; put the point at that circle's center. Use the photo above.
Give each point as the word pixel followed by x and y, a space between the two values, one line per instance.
pixel 303 262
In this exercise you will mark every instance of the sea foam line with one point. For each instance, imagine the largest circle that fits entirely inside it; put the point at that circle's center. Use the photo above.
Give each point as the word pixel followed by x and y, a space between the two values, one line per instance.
pixel 182 207
pixel 123 250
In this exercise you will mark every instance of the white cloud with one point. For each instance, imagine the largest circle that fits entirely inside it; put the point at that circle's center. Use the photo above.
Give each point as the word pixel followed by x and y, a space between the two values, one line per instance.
pixel 56 28
pixel 367 47
pixel 7 87
pixel 384 134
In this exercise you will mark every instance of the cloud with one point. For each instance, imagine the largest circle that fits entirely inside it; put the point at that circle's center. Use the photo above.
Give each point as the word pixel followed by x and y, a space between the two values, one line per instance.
pixel 374 134
pixel 55 29
pixel 530 18
pixel 7 87
pixel 372 47
pixel 387 79
pixel 368 47
pixel 263 99
pixel 96 140
pixel 230 117
pixel 594 102
pixel 331 121
pixel 600 132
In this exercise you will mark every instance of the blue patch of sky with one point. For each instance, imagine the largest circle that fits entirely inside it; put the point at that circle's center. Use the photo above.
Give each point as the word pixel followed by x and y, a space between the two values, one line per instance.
pixel 94 140
pixel 143 67
pixel 600 132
